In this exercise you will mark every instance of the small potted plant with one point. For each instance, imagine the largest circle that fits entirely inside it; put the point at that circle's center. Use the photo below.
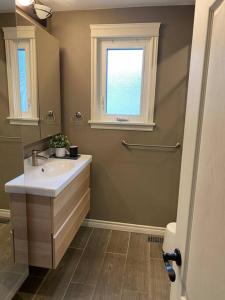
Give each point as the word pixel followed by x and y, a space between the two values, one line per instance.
pixel 59 142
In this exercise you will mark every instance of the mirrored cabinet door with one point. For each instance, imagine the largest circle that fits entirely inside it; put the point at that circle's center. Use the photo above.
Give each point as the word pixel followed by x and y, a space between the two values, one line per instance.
pixel 42 100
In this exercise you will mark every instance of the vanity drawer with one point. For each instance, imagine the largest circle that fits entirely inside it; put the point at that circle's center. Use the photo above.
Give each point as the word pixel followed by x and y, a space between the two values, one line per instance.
pixel 63 238
pixel 68 199
pixel 53 222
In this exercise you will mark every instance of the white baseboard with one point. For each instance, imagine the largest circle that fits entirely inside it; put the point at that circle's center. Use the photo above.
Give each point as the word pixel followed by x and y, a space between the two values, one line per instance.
pixel 159 231
pixel 5 214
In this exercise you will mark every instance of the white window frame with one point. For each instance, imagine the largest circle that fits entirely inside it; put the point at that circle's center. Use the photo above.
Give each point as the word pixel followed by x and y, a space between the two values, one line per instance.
pixel 15 38
pixel 131 36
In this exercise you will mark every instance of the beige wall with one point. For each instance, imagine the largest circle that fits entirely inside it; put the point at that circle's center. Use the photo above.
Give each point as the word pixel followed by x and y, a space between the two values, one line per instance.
pixel 137 186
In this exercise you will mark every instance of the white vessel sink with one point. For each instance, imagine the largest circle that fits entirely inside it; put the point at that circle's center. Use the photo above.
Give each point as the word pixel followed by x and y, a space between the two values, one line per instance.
pixel 49 178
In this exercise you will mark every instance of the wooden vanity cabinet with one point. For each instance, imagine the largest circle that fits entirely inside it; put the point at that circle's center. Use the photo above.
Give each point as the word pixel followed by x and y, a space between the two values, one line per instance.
pixel 53 222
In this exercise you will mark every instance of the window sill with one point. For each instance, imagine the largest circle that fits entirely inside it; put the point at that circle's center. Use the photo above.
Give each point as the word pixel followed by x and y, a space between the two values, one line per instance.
pixel 23 121
pixel 122 126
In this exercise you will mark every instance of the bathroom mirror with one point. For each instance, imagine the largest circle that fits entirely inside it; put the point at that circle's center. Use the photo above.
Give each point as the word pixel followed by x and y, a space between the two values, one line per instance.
pixel 32 58
pixel 13 265
pixel 42 54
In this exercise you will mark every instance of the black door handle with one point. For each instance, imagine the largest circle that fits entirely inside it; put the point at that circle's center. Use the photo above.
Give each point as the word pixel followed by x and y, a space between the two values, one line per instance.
pixel 170 271
pixel 172 256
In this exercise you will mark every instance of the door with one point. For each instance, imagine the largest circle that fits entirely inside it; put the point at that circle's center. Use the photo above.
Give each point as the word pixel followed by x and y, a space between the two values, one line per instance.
pixel 201 209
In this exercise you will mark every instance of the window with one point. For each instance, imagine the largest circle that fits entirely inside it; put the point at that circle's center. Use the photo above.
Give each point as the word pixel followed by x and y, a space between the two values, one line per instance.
pixel 21 72
pixel 24 79
pixel 124 61
pixel 123 81
pixel 22 62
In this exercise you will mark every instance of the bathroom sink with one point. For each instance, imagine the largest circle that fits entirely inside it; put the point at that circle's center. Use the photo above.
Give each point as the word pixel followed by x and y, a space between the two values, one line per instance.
pixel 53 168
pixel 49 178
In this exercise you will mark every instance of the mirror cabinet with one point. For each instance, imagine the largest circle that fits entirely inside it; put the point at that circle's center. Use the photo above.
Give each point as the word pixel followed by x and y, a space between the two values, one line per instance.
pixel 32 58
pixel 47 73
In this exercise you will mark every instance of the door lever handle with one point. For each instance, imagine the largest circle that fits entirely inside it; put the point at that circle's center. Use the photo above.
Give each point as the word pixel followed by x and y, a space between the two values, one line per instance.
pixel 170 271
pixel 172 256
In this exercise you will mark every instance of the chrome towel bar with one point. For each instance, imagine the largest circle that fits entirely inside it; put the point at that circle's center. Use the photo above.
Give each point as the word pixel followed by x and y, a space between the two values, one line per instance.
pixel 158 147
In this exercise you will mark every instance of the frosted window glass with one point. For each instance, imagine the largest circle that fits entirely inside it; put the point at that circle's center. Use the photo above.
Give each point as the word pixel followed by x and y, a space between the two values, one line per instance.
pixel 23 79
pixel 124 77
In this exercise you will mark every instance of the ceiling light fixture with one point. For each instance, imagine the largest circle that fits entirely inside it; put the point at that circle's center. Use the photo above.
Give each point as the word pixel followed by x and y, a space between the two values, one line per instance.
pixel 42 11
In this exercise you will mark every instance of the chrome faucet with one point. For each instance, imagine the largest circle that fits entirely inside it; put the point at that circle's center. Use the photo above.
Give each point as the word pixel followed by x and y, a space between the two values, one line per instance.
pixel 35 157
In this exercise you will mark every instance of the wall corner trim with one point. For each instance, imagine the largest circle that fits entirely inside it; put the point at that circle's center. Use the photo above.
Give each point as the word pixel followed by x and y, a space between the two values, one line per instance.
pixel 159 231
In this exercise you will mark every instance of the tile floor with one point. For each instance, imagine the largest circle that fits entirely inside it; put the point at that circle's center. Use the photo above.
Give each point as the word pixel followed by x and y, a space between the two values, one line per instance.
pixel 102 264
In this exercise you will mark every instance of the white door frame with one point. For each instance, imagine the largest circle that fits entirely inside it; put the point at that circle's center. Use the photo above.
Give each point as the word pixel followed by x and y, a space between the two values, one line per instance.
pixel 193 122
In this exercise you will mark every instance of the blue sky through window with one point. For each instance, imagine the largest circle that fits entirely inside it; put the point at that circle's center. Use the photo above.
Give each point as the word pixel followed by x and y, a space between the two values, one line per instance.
pixel 124 77
pixel 23 79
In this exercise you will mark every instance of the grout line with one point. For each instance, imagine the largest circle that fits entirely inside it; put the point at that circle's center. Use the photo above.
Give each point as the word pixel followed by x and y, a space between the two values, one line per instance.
pixel 77 248
pixel 82 248
pixel 66 289
pixel 102 263
pixel 116 253
pixel 88 238
pixel 139 292
pixel 107 244
pixel 125 264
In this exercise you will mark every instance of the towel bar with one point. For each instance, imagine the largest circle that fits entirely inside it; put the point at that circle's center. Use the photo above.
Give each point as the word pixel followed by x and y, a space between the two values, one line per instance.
pixel 159 147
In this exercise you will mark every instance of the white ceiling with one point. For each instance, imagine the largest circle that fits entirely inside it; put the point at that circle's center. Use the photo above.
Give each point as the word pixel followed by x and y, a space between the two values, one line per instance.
pixel 7 5
pixel 59 5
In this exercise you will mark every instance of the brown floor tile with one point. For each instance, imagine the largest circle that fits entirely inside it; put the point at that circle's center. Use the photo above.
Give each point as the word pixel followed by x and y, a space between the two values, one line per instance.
pixel 81 237
pixel 89 267
pixel 118 242
pixel 79 292
pixel 110 281
pixel 155 250
pixel 56 282
pixel 137 273
pixel 160 285
pixel 131 295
